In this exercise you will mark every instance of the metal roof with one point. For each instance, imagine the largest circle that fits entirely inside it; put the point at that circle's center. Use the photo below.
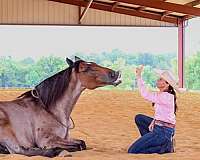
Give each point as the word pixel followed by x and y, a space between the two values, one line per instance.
pixel 170 11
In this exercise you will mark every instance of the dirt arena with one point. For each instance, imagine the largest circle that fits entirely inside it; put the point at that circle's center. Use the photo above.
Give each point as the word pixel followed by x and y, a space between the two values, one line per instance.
pixel 104 119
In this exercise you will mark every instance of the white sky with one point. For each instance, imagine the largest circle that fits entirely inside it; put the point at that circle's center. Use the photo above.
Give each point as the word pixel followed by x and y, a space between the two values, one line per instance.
pixel 192 37
pixel 37 41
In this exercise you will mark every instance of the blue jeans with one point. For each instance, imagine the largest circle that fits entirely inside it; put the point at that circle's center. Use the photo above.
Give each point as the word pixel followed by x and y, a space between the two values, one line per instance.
pixel 157 141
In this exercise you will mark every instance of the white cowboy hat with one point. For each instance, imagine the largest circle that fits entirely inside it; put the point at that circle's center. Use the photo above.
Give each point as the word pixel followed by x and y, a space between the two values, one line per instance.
pixel 170 78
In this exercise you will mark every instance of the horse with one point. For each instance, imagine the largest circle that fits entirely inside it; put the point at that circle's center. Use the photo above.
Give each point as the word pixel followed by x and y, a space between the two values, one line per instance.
pixel 37 122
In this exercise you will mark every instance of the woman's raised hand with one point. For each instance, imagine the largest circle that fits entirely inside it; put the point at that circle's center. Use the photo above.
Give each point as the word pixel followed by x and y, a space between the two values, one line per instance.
pixel 139 71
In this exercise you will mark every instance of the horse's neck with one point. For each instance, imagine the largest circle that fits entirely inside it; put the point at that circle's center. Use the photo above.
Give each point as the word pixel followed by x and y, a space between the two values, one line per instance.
pixel 65 104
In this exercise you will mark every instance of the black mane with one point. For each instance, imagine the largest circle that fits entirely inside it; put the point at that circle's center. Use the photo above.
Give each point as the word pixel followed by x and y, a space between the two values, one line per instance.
pixel 52 88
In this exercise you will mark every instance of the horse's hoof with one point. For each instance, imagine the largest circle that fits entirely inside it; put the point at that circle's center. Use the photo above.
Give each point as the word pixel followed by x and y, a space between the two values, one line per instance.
pixel 83 145
pixel 64 153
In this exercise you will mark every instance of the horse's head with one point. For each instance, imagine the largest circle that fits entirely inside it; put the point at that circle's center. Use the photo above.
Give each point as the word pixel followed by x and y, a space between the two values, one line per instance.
pixel 92 75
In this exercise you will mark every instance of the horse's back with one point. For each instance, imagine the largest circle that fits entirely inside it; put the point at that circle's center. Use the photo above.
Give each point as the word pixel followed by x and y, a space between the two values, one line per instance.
pixel 11 109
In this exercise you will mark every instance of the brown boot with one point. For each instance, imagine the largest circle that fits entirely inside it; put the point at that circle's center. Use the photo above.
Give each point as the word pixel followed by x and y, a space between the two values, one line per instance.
pixel 173 145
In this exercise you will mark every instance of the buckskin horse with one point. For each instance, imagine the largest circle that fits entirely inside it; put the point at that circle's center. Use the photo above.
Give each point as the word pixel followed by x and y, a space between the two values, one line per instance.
pixel 37 122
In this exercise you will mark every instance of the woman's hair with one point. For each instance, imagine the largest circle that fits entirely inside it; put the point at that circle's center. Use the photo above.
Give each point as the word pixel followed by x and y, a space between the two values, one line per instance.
pixel 171 91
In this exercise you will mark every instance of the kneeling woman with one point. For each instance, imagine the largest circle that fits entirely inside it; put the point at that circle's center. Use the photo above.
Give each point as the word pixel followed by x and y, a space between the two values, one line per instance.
pixel 157 133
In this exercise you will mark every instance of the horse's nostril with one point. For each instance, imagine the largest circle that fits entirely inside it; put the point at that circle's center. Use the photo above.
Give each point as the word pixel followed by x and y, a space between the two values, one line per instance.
pixel 112 74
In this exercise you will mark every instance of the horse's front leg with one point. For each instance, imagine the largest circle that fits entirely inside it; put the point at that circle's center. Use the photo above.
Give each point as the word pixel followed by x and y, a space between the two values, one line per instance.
pixel 57 142
pixel 78 142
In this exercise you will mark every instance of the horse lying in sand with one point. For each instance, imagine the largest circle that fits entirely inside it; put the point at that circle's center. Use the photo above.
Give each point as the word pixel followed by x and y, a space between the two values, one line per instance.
pixel 37 122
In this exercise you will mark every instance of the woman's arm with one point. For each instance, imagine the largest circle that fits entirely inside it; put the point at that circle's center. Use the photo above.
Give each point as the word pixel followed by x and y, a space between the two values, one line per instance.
pixel 151 126
pixel 148 95
pixel 154 97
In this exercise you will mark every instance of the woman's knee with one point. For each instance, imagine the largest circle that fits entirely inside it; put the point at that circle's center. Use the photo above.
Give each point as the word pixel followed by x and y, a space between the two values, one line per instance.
pixel 134 148
pixel 139 118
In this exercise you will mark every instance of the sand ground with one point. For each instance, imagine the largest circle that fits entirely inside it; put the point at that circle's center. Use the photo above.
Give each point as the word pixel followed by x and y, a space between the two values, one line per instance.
pixel 104 119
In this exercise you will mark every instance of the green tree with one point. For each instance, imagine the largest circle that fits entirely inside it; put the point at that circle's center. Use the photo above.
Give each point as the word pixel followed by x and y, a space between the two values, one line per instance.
pixel 47 66
pixel 193 72
pixel 28 73
pixel 7 71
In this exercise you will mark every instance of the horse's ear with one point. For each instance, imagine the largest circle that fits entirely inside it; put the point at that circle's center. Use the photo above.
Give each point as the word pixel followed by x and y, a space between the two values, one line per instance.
pixel 69 62
pixel 77 59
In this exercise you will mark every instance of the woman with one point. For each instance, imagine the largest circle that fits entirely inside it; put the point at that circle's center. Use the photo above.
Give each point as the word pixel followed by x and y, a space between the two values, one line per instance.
pixel 157 133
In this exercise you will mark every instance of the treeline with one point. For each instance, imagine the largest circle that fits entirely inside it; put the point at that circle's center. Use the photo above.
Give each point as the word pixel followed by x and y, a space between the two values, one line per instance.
pixel 29 72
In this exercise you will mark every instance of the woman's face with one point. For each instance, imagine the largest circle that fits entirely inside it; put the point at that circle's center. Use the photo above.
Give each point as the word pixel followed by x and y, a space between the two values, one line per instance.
pixel 162 84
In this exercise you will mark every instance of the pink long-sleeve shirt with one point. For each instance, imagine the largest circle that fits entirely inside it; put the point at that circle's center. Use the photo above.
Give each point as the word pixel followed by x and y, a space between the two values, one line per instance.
pixel 164 103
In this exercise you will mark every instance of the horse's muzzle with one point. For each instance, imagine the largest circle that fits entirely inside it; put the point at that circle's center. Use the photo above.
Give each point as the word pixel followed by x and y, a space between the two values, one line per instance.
pixel 118 79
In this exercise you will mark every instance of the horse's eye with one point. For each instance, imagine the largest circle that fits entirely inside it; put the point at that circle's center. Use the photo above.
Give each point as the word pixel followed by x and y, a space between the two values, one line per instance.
pixel 90 69
pixel 87 69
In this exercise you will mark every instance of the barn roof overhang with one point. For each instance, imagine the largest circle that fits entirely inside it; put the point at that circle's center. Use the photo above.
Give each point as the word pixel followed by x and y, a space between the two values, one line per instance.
pixel 161 10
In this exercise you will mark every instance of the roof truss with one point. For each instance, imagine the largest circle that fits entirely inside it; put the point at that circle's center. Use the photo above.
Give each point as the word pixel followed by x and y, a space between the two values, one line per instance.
pixel 187 9
pixel 167 6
